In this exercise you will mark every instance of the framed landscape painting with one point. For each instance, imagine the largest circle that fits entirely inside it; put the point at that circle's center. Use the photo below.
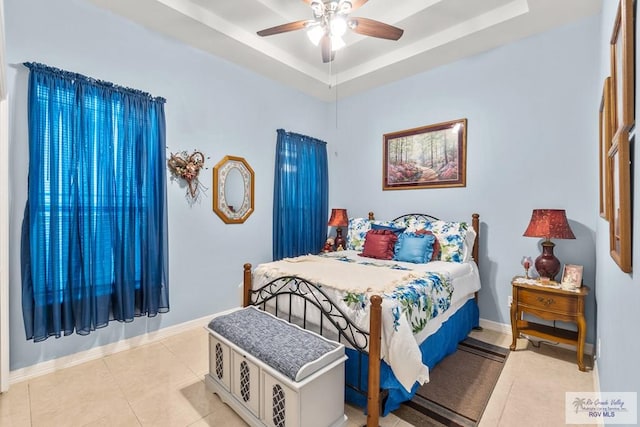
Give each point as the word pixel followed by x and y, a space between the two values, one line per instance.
pixel 431 156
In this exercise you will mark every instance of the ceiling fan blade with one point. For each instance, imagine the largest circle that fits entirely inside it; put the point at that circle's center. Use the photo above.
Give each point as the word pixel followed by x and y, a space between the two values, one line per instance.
pixel 327 53
pixel 370 27
pixel 284 28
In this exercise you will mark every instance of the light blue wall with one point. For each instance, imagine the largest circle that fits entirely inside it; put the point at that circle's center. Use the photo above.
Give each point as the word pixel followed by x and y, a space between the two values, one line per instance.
pixel 532 143
pixel 618 293
pixel 532 110
pixel 212 105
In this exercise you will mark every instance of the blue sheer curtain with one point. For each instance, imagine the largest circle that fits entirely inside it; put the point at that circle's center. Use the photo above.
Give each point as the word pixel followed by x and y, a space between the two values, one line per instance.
pixel 94 235
pixel 300 201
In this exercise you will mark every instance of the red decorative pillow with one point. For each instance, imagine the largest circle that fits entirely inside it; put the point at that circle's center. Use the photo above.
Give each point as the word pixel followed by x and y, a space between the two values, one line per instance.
pixel 379 244
pixel 436 244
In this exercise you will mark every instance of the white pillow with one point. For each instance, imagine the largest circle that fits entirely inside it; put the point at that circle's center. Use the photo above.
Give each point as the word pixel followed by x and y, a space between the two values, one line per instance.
pixel 467 247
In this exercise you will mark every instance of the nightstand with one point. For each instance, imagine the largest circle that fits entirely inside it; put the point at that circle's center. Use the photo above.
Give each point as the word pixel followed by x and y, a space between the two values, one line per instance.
pixel 549 303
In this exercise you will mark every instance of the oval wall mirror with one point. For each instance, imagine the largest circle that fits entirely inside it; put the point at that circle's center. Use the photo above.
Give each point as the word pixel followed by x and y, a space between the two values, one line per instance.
pixel 233 189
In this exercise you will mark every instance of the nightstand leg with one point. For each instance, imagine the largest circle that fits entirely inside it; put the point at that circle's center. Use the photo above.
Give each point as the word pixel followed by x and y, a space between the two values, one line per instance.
pixel 582 326
pixel 514 325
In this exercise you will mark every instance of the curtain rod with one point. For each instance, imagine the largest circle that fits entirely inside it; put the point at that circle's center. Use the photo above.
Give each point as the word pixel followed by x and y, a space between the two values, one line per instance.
pixel 77 76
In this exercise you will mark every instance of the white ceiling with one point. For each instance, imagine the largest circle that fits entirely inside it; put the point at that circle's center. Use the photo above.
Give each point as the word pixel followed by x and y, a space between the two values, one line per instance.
pixel 436 32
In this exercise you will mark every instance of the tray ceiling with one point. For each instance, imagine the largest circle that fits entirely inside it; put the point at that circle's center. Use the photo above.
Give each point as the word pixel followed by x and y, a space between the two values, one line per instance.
pixel 436 32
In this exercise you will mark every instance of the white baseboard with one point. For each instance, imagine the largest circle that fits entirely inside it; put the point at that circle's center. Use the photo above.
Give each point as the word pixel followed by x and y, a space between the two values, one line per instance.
pixel 504 328
pixel 495 326
pixel 596 376
pixel 53 365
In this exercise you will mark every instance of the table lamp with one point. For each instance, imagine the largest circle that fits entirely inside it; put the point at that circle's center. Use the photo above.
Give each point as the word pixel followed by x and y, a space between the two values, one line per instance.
pixel 339 219
pixel 548 224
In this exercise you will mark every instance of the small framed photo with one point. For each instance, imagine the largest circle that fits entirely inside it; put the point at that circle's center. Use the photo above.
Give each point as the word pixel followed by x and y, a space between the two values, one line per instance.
pixel 572 275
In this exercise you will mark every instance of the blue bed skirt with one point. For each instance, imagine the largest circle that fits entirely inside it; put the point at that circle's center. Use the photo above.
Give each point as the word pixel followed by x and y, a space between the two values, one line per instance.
pixel 434 349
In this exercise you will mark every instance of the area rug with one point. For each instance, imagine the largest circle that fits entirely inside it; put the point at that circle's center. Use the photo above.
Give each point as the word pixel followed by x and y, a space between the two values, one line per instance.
pixel 459 387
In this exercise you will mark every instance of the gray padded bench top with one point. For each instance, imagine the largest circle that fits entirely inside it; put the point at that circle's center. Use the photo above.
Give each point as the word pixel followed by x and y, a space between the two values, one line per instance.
pixel 287 348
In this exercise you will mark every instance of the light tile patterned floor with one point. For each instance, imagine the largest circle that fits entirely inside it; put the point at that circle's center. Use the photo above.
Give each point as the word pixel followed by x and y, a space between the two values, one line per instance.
pixel 161 384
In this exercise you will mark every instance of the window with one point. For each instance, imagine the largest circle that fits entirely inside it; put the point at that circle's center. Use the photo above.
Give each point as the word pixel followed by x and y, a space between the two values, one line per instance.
pixel 95 227
pixel 300 206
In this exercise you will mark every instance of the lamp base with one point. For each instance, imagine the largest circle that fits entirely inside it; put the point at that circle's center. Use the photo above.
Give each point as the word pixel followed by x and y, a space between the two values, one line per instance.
pixel 340 242
pixel 547 264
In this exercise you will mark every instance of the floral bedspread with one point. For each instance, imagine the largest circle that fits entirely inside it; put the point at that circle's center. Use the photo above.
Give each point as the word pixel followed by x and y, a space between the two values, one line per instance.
pixel 406 310
pixel 416 302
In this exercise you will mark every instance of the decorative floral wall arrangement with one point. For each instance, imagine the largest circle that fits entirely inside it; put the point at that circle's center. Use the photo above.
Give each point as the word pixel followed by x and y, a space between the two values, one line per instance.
pixel 187 166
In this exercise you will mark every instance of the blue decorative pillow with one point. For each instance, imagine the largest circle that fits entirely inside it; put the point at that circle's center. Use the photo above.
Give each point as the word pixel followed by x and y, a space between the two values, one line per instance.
pixel 396 230
pixel 415 248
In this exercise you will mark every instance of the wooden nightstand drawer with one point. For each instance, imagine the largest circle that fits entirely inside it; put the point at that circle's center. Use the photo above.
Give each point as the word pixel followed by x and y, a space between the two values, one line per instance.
pixel 548 301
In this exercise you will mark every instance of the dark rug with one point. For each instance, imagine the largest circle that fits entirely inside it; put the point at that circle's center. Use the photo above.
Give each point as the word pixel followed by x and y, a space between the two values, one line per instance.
pixel 459 387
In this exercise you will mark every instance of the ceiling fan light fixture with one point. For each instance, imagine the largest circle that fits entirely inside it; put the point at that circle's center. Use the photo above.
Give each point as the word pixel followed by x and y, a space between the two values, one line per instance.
pixel 338 26
pixel 315 33
pixel 337 43
pixel 330 23
pixel 345 7
pixel 318 8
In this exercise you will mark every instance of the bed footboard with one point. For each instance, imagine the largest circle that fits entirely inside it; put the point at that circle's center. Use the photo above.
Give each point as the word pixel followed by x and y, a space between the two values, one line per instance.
pixel 340 323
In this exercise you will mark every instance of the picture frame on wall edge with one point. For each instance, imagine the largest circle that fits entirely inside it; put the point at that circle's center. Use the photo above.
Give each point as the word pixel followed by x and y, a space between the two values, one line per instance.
pixel 620 201
pixel 622 67
pixel 606 135
pixel 623 109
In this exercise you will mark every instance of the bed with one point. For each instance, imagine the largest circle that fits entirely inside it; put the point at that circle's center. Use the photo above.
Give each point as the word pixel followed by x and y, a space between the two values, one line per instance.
pixel 398 317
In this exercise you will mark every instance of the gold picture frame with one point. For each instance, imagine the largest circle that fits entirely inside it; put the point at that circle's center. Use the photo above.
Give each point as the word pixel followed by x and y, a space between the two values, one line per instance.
pixel 572 276
pixel 622 67
pixel 606 135
pixel 620 201
pixel 433 156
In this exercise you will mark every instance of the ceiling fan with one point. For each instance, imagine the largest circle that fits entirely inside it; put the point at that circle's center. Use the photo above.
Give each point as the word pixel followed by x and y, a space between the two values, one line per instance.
pixel 330 22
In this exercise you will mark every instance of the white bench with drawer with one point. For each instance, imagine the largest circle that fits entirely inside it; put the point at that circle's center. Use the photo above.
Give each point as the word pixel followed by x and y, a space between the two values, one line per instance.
pixel 274 373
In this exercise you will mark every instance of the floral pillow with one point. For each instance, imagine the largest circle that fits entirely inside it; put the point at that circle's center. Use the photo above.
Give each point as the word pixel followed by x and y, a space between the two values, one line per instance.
pixel 451 236
pixel 413 224
pixel 357 231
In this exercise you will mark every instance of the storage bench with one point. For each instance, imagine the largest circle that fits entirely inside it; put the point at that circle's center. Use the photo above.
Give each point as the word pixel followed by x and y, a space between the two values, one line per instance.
pixel 274 373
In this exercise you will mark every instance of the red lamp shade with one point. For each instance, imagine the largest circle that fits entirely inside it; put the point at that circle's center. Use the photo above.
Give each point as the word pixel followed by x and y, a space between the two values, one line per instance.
pixel 548 224
pixel 339 219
